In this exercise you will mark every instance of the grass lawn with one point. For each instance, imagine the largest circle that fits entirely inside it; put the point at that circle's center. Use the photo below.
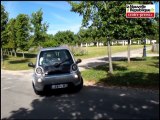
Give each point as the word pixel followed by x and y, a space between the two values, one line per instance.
pixel 102 51
pixel 19 63
pixel 139 73
pixel 150 52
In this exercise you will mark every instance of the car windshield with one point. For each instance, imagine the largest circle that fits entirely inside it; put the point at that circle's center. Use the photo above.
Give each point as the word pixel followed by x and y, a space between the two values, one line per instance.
pixel 52 57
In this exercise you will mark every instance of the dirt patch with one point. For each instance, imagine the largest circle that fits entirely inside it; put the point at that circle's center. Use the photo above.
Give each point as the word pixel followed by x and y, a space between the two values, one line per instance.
pixel 89 83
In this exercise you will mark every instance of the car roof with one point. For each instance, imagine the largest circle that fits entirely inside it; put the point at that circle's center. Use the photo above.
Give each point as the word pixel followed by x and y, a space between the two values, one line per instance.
pixel 54 48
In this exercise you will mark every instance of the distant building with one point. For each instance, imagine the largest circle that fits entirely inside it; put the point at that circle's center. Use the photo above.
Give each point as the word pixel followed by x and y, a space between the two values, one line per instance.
pixel 119 42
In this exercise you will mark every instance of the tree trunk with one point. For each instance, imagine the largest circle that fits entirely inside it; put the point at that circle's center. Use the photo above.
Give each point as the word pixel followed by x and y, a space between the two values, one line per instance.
pixel 11 52
pixel 8 51
pixel 23 53
pixel 4 52
pixel 15 54
pixel 144 49
pixel 129 49
pixel 1 56
pixel 97 44
pixel 109 58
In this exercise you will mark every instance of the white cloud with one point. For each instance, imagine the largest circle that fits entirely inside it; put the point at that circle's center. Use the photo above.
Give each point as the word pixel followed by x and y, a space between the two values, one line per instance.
pixel 75 28
pixel 60 18
pixel 54 4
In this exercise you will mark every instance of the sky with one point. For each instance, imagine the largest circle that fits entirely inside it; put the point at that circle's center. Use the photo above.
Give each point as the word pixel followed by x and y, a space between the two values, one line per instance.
pixel 56 13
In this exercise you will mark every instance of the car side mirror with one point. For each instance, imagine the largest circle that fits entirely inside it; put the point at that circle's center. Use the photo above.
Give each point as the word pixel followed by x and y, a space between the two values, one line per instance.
pixel 30 64
pixel 78 61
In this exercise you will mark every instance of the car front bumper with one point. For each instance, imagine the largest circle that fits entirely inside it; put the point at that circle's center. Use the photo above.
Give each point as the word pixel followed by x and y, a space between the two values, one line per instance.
pixel 48 80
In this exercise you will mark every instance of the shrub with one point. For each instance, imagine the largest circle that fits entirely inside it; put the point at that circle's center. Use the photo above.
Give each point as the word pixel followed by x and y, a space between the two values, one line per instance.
pixel 49 43
pixel 34 49
pixel 77 51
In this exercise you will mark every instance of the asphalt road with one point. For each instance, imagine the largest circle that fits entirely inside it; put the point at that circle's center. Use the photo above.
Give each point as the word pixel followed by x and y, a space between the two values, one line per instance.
pixel 92 102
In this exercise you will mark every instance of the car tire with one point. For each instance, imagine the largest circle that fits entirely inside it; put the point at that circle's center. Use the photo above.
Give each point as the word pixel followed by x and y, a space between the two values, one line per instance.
pixel 80 86
pixel 36 91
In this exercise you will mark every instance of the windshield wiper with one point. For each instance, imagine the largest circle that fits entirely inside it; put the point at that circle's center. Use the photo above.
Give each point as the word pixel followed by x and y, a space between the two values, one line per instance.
pixel 58 64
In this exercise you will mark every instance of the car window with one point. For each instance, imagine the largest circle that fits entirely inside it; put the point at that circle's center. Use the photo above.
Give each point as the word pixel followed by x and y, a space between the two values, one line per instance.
pixel 51 57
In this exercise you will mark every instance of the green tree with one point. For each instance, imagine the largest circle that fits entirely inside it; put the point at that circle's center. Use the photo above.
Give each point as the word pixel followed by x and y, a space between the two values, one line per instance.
pixel 84 35
pixel 4 20
pixel 50 41
pixel 64 37
pixel 155 28
pixel 96 36
pixel 97 13
pixel 77 39
pixel 110 20
pixel 88 35
pixel 140 27
pixel 39 29
pixel 23 30
pixel 12 39
pixel 30 42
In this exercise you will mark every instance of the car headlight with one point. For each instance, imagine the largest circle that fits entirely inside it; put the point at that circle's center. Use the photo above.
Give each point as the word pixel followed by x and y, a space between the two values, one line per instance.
pixel 39 80
pixel 76 76
pixel 74 67
pixel 39 70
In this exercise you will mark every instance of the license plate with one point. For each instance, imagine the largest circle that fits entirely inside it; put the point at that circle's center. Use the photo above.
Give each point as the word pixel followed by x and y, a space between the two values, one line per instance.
pixel 59 86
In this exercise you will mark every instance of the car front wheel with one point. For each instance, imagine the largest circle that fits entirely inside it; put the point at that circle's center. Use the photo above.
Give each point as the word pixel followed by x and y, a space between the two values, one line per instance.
pixel 80 86
pixel 36 91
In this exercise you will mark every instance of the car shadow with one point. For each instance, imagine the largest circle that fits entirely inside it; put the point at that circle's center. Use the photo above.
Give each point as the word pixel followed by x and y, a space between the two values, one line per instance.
pixel 113 59
pixel 101 66
pixel 92 102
